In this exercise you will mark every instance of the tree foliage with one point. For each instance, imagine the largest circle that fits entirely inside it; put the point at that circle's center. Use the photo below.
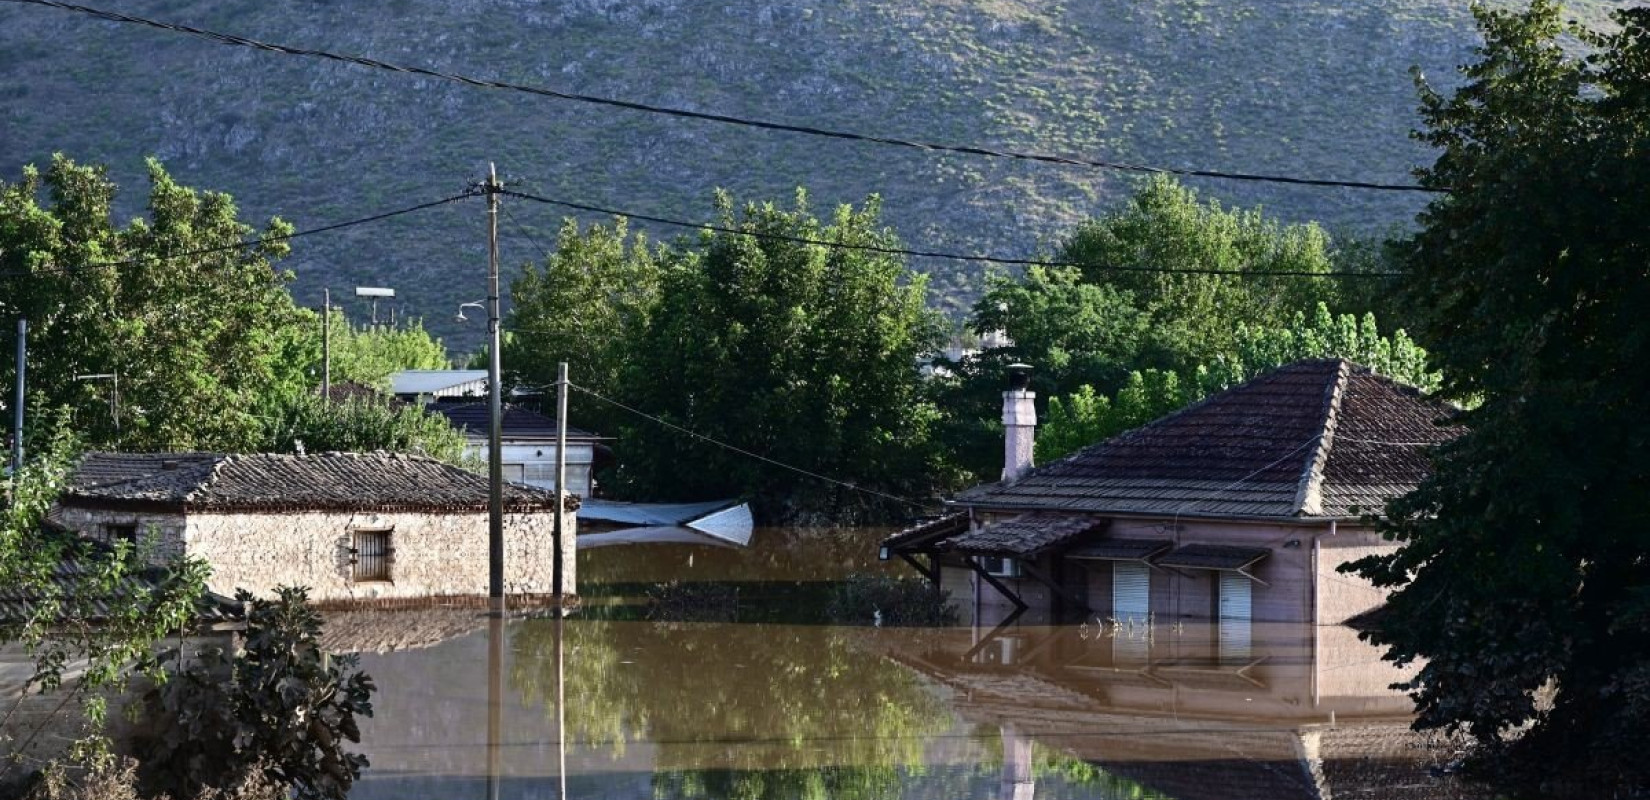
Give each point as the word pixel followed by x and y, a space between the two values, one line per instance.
pixel 90 618
pixel 1087 416
pixel 280 703
pixel 588 305
pixel 200 333
pixel 803 353
pixel 369 354
pixel 1165 226
pixel 309 423
pixel 1525 561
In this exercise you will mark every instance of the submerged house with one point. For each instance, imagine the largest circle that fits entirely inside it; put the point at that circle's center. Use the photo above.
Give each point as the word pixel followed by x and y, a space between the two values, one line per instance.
pixel 528 445
pixel 1237 508
pixel 353 527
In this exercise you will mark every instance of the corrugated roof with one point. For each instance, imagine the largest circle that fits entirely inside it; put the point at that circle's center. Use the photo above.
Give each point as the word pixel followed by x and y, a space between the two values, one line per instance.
pixel 1278 446
pixel 1025 535
pixel 271 482
pixel 518 422
pixel 429 381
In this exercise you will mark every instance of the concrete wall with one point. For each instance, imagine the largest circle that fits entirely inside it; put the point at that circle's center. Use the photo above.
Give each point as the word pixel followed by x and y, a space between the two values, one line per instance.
pixel 536 464
pixel 1342 596
pixel 434 553
pixel 1288 573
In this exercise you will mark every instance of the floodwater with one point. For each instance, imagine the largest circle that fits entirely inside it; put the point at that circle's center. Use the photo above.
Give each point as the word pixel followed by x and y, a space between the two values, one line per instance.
pixel 743 691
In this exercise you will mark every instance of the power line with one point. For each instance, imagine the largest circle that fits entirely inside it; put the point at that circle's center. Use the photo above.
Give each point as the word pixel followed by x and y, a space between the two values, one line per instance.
pixel 239 244
pixel 974 150
pixel 899 251
pixel 724 445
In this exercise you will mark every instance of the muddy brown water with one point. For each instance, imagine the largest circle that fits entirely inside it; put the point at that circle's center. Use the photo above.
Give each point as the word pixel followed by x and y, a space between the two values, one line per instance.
pixel 767 701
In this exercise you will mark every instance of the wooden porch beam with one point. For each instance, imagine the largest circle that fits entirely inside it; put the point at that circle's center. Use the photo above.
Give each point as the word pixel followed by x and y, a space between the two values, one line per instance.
pixel 1038 575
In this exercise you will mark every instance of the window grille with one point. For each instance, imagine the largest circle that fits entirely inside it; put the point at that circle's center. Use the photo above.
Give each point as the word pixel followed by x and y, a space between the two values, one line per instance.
pixel 372 556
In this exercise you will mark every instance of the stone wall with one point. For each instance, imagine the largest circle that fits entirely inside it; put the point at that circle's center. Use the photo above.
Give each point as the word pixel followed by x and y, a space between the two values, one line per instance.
pixel 434 554
pixel 164 530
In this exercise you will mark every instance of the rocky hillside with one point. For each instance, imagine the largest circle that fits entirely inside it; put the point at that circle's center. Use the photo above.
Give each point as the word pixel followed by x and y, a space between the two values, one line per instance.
pixel 1301 87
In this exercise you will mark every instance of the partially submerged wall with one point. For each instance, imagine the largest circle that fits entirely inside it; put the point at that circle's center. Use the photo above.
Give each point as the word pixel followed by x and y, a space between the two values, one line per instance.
pixel 433 554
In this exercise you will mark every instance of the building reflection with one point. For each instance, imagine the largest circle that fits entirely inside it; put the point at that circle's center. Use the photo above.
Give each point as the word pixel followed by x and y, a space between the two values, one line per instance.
pixel 1292 712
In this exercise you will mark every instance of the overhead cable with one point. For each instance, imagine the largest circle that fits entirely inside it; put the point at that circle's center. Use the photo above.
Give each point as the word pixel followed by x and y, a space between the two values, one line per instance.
pixel 727 119
pixel 724 445
pixel 900 251
pixel 239 245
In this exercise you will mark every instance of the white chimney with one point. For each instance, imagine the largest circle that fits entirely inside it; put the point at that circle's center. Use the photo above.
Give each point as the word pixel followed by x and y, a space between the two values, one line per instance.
pixel 1019 423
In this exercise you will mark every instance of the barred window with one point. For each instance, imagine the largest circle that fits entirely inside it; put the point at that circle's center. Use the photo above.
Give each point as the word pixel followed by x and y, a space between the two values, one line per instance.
pixel 372 556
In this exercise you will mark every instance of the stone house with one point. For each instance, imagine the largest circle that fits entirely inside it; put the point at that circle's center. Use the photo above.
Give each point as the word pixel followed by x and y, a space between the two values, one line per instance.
pixel 528 444
pixel 352 527
pixel 1237 508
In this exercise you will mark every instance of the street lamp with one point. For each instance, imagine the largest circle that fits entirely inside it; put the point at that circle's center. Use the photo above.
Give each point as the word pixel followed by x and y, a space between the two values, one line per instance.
pixel 375 293
pixel 462 306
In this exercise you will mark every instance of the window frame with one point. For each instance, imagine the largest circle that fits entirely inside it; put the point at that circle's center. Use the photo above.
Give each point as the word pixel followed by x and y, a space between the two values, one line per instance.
pixel 359 561
pixel 1006 566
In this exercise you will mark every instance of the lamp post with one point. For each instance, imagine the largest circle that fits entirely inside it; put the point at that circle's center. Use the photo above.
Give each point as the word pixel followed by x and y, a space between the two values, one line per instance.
pixel 374 292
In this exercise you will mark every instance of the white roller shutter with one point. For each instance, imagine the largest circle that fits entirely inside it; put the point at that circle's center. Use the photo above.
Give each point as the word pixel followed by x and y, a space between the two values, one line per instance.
pixel 1131 592
pixel 1235 613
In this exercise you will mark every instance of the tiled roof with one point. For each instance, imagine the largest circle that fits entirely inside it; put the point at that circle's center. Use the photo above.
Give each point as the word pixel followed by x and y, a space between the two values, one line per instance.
pixel 1316 438
pixel 1025 535
pixel 269 482
pixel 927 531
pixel 518 422
pixel 70 577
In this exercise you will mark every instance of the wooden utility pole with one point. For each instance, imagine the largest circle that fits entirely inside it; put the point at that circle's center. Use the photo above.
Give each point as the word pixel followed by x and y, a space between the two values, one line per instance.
pixel 495 505
pixel 561 478
pixel 495 408
pixel 326 346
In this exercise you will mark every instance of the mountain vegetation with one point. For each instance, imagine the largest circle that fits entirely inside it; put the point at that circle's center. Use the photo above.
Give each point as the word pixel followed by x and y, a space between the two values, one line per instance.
pixel 1285 86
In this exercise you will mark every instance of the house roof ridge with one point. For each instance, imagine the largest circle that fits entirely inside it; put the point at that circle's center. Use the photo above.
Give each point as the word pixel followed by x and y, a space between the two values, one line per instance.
pixel 1309 491
pixel 1186 410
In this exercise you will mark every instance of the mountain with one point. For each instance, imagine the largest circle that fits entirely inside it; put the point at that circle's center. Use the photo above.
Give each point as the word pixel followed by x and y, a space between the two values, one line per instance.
pixel 1297 87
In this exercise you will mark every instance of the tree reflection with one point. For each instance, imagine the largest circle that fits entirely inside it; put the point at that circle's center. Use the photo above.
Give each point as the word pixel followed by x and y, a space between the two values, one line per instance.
pixel 753 712
pixel 738 697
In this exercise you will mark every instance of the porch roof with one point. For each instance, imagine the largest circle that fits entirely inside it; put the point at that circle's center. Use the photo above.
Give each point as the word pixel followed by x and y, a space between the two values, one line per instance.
pixel 1213 556
pixel 1121 549
pixel 1025 535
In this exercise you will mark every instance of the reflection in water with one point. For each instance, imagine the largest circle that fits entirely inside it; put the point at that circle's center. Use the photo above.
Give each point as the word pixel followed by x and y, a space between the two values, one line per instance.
pixel 659 710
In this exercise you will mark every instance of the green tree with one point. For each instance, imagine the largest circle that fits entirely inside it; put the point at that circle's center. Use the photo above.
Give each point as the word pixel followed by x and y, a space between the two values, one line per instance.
pixel 1087 416
pixel 1524 561
pixel 360 425
pixel 1165 226
pixel 803 353
pixel 588 305
pixel 203 335
pixel 280 704
pixel 90 618
pixel 369 354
